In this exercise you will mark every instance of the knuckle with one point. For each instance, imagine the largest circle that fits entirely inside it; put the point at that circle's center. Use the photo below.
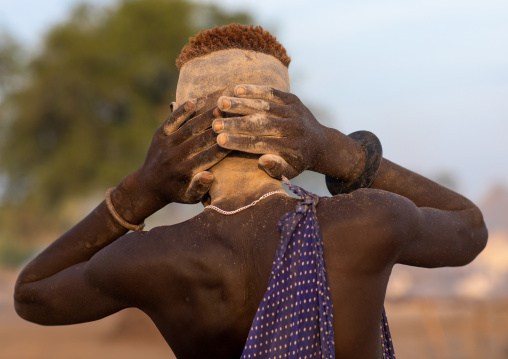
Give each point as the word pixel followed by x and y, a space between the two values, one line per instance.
pixel 258 105
pixel 292 110
pixel 295 98
pixel 292 98
pixel 264 105
pixel 270 94
pixel 257 119
pixel 299 128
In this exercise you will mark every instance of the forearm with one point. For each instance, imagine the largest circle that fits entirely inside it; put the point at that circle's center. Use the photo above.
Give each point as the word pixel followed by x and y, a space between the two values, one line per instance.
pixel 346 160
pixel 172 172
pixel 340 156
pixel 94 232
pixel 419 189
pixel 450 219
pixel 438 226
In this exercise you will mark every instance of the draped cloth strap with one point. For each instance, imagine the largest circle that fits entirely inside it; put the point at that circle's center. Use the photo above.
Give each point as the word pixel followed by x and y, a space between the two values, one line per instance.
pixel 386 338
pixel 295 317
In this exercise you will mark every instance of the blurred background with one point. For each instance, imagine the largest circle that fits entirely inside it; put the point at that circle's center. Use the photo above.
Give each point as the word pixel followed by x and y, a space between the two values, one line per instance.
pixel 83 86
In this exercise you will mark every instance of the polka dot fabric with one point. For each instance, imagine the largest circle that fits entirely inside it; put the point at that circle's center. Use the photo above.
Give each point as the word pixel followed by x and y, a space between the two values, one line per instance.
pixel 386 338
pixel 295 317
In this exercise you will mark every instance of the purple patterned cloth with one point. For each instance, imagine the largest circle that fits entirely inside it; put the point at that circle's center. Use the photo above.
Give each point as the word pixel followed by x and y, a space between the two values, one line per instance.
pixel 386 338
pixel 295 317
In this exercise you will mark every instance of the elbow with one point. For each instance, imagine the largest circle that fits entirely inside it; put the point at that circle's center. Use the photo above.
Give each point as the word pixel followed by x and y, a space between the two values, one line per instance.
pixel 474 233
pixel 31 312
pixel 22 310
pixel 479 235
pixel 23 302
pixel 480 238
pixel 22 306
pixel 27 304
pixel 475 244
pixel 24 297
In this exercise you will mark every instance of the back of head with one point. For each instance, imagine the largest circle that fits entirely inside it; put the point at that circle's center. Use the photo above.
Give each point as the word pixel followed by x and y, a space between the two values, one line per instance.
pixel 217 60
pixel 233 36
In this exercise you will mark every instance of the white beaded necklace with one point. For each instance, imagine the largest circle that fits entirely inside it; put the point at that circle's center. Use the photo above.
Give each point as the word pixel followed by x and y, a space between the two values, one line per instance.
pixel 221 211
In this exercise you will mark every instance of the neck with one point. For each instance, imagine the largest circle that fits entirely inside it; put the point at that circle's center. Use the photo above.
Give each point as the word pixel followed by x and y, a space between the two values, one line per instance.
pixel 239 181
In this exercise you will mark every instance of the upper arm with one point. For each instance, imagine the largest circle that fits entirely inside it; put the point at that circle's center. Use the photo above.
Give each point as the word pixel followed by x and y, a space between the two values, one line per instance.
pixel 83 292
pixel 67 297
pixel 387 228
pixel 430 237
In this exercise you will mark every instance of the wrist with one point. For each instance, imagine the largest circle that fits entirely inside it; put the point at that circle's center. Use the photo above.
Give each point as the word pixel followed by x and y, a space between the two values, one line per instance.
pixel 341 156
pixel 118 217
pixel 373 157
pixel 133 201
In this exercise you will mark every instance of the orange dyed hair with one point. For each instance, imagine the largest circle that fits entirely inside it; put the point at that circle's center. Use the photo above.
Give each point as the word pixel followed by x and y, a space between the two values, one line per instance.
pixel 232 36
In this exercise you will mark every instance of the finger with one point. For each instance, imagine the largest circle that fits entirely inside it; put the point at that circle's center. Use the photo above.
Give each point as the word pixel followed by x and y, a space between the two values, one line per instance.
pixel 265 93
pixel 178 117
pixel 254 125
pixel 199 186
pixel 247 106
pixel 217 113
pixel 207 158
pixel 277 167
pixel 253 144
pixel 197 144
pixel 193 127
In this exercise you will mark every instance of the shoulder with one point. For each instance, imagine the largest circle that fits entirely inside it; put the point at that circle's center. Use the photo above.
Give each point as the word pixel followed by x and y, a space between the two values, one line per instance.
pixel 147 266
pixel 371 223
pixel 368 208
pixel 132 267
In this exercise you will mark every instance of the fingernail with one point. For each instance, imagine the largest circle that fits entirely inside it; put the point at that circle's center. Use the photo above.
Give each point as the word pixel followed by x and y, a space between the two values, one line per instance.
pixel 226 103
pixel 216 112
pixel 222 139
pixel 189 106
pixel 206 179
pixel 267 164
pixel 217 125
pixel 240 90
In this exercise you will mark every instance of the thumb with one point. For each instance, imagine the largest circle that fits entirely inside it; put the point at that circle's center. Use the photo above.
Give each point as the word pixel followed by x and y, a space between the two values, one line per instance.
pixel 198 187
pixel 277 167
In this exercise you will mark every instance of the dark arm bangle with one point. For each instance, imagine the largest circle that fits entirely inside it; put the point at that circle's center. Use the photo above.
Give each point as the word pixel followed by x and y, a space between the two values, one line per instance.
pixel 373 157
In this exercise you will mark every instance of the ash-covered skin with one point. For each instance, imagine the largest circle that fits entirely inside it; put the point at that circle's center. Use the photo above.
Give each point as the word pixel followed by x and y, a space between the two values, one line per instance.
pixel 279 126
pixel 260 116
pixel 187 133
pixel 221 71
pixel 201 280
pixel 205 81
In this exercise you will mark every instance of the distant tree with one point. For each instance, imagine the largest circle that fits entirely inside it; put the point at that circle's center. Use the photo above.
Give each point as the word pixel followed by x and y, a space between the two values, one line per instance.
pixel 12 62
pixel 12 59
pixel 96 91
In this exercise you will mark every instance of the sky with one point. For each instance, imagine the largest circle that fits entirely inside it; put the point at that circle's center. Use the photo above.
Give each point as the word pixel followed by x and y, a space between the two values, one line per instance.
pixel 428 77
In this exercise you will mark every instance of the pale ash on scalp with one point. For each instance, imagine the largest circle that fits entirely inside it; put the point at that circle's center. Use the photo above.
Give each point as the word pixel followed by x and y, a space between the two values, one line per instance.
pixel 219 72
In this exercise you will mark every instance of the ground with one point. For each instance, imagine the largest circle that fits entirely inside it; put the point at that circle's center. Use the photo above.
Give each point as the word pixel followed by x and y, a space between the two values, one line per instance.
pixel 421 328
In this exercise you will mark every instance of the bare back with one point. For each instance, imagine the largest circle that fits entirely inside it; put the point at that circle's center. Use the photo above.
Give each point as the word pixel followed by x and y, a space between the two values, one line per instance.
pixel 203 279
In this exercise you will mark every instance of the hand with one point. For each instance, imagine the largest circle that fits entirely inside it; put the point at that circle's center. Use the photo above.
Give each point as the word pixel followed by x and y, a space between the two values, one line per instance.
pixel 275 124
pixel 183 148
